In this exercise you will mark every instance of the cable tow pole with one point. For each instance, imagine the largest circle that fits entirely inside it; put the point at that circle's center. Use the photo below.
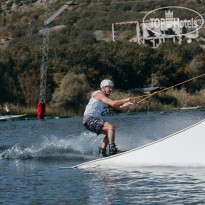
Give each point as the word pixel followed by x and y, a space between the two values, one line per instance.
pixel 150 95
pixel 44 63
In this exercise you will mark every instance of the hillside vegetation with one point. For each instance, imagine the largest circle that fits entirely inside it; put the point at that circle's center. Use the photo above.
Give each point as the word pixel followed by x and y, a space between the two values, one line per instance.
pixel 81 53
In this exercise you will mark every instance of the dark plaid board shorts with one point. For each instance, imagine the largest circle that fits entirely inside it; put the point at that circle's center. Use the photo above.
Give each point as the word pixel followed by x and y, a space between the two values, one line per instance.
pixel 94 124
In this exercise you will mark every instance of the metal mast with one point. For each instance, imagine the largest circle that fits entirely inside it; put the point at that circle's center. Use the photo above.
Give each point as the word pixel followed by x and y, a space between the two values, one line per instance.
pixel 44 63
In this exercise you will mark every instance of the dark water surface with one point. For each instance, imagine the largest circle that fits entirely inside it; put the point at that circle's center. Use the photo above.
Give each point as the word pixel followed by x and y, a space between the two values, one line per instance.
pixel 34 154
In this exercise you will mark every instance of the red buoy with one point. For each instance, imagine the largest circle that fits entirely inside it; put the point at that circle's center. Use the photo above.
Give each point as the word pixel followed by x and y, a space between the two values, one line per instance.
pixel 41 110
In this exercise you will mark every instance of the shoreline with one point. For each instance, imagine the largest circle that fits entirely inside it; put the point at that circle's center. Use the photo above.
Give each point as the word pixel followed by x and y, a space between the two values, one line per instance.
pixel 182 109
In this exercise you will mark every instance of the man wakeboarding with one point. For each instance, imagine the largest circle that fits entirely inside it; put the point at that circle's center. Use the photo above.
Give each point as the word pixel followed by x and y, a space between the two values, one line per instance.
pixel 95 111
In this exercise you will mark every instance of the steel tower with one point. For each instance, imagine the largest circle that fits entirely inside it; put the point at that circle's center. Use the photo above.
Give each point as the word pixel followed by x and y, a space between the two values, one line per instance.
pixel 44 63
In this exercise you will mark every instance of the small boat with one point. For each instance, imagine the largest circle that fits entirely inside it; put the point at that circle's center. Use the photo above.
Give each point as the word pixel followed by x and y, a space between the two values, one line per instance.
pixel 183 148
pixel 10 117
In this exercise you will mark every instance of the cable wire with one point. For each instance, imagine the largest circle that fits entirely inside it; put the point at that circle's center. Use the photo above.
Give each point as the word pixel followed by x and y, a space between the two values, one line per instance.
pixel 150 95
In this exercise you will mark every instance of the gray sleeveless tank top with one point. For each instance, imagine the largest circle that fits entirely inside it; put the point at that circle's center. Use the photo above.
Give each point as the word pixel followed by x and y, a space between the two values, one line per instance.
pixel 95 108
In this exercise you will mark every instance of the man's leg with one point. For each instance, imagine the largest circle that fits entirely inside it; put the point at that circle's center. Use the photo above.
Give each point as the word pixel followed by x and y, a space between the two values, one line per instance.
pixel 99 126
pixel 102 150
pixel 109 131
pixel 105 140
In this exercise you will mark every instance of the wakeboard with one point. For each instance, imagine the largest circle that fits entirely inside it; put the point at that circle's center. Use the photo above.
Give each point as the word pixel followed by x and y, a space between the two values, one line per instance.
pixel 101 159
pixel 10 117
pixel 121 151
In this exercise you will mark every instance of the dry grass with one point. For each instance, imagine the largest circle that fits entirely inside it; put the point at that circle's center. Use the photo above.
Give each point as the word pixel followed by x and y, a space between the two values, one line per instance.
pixel 163 101
pixel 185 99
pixel 32 111
pixel 18 109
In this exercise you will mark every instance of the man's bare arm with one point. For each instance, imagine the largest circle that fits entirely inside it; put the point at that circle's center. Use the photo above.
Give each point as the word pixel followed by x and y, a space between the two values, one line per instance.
pixel 113 103
pixel 125 105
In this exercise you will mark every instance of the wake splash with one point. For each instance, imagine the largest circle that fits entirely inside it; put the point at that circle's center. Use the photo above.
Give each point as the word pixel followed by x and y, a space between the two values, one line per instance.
pixel 73 147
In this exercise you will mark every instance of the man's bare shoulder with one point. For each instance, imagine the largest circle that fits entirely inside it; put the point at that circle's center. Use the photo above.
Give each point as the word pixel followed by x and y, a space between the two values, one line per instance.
pixel 99 95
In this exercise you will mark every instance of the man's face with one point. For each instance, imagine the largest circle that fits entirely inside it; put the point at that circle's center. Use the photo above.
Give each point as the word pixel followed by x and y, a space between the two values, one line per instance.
pixel 108 89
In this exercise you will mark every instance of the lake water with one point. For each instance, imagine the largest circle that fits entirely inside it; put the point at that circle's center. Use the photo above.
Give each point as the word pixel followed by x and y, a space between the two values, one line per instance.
pixel 33 155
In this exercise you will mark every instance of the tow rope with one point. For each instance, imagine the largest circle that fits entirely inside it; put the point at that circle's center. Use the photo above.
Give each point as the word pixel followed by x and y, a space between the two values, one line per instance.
pixel 150 95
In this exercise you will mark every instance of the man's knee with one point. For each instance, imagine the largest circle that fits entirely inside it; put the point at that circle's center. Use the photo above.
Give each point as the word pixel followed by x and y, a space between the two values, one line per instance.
pixel 111 127
pixel 108 126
